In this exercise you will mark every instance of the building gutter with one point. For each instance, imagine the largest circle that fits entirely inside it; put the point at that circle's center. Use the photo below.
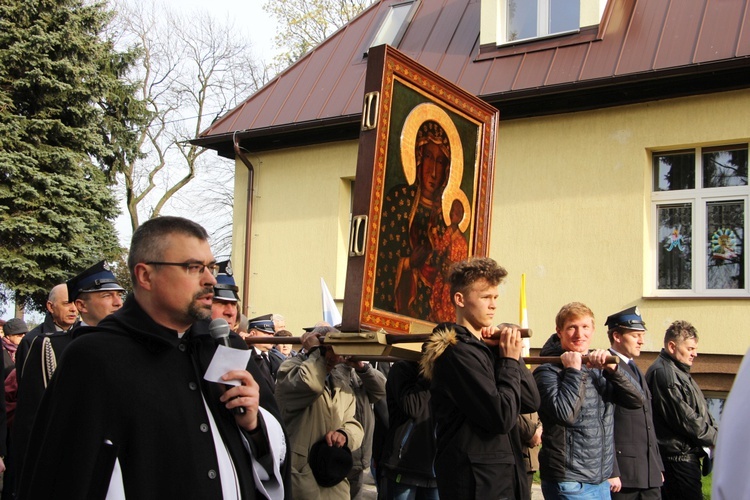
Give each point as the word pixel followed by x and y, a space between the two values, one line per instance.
pixel 248 224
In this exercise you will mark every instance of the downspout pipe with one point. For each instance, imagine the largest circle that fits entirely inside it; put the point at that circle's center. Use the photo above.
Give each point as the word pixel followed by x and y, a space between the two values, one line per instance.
pixel 249 222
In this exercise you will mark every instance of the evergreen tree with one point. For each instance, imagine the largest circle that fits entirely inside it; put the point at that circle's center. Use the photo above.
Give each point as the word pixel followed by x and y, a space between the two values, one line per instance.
pixel 66 126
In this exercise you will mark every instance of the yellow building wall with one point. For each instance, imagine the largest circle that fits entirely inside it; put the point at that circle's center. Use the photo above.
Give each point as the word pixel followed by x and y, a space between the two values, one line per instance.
pixel 571 210
pixel 300 229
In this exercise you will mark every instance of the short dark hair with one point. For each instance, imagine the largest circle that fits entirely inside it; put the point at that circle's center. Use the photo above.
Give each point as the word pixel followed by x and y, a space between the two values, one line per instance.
pixel 680 331
pixel 463 274
pixel 148 242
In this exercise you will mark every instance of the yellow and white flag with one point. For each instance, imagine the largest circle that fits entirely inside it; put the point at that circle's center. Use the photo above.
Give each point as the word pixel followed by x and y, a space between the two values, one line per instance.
pixel 524 315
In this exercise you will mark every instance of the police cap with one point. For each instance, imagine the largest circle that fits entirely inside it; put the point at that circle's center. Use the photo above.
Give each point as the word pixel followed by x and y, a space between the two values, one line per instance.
pixel 225 289
pixel 262 324
pixel 96 278
pixel 629 319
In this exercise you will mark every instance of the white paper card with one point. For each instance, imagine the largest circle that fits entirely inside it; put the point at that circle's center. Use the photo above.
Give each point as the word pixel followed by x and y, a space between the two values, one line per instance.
pixel 225 360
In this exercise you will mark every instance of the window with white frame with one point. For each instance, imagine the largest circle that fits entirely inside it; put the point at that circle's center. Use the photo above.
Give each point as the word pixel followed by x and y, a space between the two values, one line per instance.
pixel 394 24
pixel 537 18
pixel 699 205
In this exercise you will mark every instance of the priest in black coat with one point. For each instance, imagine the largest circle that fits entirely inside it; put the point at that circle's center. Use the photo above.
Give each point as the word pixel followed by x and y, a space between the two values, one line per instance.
pixel 128 412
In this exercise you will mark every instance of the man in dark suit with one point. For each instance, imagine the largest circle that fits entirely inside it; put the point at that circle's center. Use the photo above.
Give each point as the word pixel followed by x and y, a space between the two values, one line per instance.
pixel 262 326
pixel 638 466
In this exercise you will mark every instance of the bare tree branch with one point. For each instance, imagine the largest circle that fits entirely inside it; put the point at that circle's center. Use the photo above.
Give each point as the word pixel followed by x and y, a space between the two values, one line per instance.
pixel 193 69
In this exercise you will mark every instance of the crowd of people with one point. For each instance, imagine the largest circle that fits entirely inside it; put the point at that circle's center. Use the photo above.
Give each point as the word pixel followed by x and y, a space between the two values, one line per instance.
pixel 107 397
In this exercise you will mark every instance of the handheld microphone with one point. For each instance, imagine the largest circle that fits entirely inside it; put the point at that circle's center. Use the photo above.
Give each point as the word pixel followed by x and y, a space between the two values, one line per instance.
pixel 219 330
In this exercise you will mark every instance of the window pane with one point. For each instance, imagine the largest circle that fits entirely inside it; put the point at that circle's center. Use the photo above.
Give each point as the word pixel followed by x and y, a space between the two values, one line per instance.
pixel 727 167
pixel 392 25
pixel 725 232
pixel 563 15
pixel 522 16
pixel 674 171
pixel 675 246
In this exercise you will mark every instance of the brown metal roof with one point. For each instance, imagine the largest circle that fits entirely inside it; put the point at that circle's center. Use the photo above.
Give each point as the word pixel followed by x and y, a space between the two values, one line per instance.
pixel 642 49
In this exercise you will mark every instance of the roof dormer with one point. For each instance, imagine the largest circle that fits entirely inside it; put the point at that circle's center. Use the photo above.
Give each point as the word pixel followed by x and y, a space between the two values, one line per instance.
pixel 516 21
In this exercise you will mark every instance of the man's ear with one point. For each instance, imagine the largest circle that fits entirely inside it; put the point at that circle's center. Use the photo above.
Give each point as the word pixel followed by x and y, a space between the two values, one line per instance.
pixel 616 337
pixel 458 299
pixel 143 276
pixel 50 308
pixel 81 305
pixel 671 347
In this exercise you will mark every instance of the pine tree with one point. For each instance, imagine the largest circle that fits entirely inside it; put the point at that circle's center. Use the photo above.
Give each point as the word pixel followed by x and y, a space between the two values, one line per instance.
pixel 66 126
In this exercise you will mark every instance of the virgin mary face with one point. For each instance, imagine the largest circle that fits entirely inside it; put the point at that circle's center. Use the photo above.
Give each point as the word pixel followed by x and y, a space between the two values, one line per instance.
pixel 432 170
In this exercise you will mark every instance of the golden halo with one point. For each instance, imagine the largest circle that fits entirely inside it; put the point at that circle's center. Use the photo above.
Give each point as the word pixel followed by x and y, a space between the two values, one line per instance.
pixel 417 116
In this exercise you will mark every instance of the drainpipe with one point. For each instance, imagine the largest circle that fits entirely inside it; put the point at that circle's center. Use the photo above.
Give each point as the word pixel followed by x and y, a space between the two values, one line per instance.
pixel 249 223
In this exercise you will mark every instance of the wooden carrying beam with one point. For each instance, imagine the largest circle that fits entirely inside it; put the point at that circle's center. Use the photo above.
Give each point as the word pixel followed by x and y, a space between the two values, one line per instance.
pixel 382 346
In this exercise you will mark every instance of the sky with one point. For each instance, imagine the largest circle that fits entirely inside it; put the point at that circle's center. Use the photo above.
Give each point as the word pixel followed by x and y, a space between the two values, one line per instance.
pixel 260 26
pixel 252 21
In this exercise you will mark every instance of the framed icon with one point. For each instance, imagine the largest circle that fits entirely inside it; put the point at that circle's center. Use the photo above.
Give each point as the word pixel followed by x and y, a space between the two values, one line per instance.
pixel 422 198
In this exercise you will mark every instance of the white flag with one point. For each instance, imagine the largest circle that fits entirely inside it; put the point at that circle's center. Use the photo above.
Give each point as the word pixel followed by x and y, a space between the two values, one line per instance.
pixel 331 313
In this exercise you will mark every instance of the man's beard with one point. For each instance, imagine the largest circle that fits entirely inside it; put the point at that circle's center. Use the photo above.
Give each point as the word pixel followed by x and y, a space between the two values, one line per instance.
pixel 200 311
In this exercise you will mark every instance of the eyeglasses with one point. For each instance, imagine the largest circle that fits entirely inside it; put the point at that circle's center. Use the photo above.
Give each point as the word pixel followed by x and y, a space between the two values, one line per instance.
pixel 192 268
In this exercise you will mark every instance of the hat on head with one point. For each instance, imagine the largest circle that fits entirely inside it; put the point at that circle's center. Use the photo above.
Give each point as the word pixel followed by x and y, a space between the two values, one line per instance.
pixel 226 289
pixel 15 326
pixel 630 319
pixel 329 464
pixel 96 278
pixel 262 324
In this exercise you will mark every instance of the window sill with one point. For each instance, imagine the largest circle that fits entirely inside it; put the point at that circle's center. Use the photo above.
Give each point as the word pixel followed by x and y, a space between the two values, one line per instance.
pixel 688 295
pixel 545 42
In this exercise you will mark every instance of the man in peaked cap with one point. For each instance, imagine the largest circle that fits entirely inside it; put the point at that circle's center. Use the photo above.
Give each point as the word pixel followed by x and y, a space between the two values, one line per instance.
pixel 225 296
pixel 638 467
pixel 262 326
pixel 32 374
pixel 96 293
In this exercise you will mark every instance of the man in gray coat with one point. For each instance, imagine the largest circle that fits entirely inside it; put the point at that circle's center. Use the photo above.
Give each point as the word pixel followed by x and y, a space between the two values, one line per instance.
pixel 318 406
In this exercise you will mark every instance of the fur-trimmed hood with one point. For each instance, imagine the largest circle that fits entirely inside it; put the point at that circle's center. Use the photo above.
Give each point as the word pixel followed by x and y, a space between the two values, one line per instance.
pixel 434 348
pixel 552 347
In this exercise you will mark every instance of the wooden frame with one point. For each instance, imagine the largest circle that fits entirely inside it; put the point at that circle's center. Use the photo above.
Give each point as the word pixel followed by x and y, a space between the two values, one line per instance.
pixel 422 197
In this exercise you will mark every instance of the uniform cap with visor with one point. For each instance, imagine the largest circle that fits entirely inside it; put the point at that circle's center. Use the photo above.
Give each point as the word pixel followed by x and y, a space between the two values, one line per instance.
pixel 97 278
pixel 628 319
pixel 225 289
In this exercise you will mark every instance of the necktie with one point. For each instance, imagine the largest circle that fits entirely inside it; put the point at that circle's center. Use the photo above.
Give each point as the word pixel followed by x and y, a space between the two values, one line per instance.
pixel 266 363
pixel 265 367
pixel 635 371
